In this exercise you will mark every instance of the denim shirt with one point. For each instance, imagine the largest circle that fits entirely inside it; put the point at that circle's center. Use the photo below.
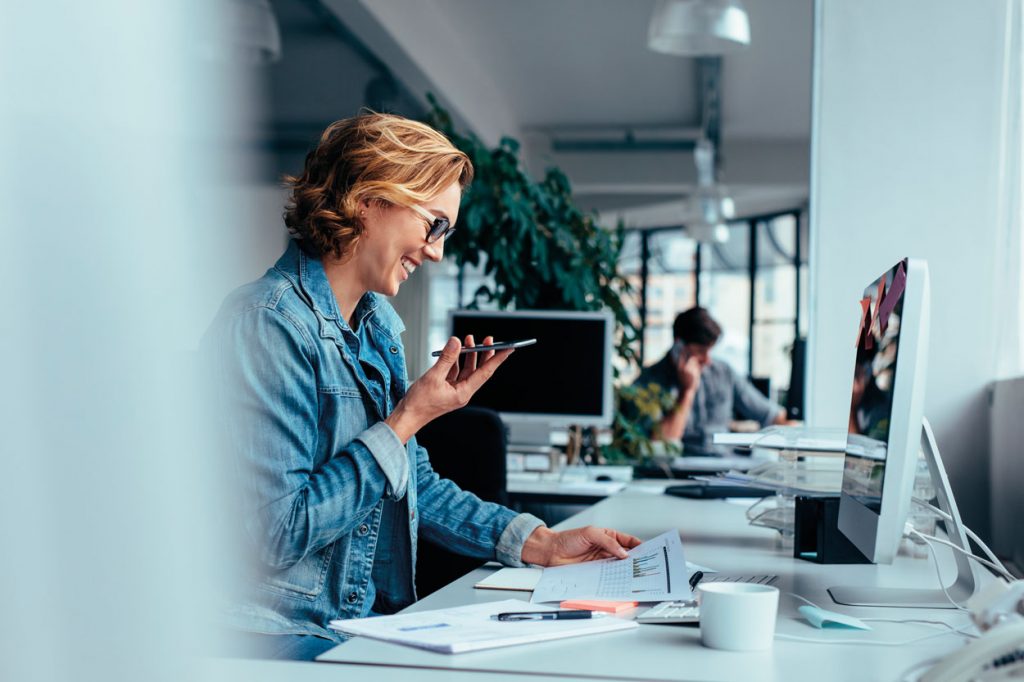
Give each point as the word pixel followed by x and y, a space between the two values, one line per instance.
pixel 332 501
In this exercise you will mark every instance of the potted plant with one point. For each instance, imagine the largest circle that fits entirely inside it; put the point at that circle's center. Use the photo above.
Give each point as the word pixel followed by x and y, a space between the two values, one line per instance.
pixel 543 252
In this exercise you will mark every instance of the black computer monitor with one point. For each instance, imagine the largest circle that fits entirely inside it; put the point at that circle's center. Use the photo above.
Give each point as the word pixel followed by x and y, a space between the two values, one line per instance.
pixel 565 379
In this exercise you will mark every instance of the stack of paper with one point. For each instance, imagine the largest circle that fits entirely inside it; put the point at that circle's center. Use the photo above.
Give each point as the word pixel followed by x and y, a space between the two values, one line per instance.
pixel 471 628
pixel 654 571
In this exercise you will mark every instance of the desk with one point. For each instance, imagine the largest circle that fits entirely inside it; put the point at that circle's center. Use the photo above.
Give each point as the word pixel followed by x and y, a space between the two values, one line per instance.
pixel 715 534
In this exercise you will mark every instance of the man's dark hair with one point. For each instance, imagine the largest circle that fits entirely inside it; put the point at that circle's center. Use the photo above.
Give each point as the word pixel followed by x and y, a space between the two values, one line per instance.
pixel 696 326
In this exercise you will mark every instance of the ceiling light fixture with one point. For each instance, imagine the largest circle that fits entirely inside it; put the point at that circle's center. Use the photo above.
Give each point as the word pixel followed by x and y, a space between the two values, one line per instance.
pixel 258 35
pixel 247 33
pixel 698 28
pixel 710 206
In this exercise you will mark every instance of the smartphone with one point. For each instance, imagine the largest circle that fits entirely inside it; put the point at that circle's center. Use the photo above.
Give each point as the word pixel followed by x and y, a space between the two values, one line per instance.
pixel 678 348
pixel 497 345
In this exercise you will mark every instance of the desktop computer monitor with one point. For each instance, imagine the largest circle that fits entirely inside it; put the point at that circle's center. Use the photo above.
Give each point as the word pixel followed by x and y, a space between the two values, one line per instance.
pixel 565 379
pixel 886 410
pixel 886 431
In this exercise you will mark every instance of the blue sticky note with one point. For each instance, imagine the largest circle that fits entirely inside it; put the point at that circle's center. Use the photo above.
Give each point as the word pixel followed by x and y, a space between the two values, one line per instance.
pixel 820 618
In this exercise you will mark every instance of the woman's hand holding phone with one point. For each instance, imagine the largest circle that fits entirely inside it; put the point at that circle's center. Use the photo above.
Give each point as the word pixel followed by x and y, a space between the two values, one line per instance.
pixel 445 386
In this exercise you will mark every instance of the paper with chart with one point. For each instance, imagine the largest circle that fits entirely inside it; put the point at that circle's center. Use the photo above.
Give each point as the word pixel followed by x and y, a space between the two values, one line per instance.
pixel 654 571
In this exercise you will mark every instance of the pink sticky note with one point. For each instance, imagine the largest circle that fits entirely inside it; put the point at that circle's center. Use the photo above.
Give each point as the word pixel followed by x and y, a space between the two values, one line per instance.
pixel 596 605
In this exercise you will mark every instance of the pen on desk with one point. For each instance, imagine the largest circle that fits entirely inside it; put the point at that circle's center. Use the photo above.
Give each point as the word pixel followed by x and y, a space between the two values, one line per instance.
pixel 575 614
pixel 695 578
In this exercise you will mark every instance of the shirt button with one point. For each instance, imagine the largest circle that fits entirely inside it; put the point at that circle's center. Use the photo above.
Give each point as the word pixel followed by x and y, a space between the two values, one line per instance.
pixel 363 529
pixel 394 349
pixel 352 598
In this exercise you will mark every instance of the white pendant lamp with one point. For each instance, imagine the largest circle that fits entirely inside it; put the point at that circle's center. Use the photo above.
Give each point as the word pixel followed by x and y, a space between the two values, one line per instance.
pixel 698 28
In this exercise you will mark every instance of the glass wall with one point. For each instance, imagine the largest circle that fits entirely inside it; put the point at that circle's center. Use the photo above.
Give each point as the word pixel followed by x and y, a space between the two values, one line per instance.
pixel 754 285
pixel 725 292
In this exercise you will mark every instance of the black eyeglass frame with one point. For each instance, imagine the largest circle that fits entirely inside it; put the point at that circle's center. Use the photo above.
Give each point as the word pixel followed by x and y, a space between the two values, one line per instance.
pixel 438 227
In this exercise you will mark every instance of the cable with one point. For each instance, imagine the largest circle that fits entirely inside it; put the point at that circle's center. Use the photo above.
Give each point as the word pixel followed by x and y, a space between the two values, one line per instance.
pixel 868 642
pixel 970 533
pixel 947 629
pixel 931 538
pixel 938 572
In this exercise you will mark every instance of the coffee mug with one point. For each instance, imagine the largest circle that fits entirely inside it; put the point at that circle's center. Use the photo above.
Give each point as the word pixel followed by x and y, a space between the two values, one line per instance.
pixel 738 616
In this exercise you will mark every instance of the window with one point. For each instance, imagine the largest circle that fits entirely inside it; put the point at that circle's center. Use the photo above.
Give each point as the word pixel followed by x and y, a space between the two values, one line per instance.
pixel 755 286
pixel 670 268
pixel 449 291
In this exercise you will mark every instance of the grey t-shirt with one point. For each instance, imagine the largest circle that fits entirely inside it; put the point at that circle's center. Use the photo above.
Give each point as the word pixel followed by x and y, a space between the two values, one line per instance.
pixel 721 397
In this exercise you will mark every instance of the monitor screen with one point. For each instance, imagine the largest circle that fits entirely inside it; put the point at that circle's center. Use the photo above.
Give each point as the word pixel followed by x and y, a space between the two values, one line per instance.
pixel 565 378
pixel 874 378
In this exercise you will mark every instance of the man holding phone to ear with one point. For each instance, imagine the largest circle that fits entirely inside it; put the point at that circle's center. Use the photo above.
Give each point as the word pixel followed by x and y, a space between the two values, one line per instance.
pixel 709 394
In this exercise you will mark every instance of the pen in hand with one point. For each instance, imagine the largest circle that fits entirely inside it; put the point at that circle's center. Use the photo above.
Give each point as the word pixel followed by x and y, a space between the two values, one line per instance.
pixel 575 614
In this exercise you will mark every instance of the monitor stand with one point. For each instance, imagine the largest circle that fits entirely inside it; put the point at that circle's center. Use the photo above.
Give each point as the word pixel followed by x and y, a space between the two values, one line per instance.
pixel 529 435
pixel 966 580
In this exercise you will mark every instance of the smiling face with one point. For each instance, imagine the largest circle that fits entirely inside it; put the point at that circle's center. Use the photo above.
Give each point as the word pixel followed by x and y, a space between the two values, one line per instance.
pixel 394 241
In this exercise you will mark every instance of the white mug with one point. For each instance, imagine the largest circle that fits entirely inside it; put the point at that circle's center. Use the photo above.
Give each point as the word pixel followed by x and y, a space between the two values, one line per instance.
pixel 738 616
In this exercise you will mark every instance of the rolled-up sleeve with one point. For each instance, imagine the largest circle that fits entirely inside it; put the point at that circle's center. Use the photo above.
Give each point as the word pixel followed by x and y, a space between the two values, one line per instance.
pixel 510 544
pixel 750 403
pixel 387 449
pixel 465 524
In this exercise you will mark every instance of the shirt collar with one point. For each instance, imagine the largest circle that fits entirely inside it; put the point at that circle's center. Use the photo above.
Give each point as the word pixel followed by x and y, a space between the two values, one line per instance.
pixel 313 284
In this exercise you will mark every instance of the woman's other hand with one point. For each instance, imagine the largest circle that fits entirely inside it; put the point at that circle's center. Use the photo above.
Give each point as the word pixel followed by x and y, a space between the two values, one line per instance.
pixel 444 387
pixel 546 547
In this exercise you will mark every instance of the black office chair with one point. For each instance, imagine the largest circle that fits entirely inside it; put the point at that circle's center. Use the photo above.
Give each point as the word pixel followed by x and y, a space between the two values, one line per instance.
pixel 468 447
pixel 795 394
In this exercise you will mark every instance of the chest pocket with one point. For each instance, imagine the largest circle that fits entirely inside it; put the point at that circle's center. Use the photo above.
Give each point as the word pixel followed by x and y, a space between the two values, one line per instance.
pixel 344 413
pixel 305 579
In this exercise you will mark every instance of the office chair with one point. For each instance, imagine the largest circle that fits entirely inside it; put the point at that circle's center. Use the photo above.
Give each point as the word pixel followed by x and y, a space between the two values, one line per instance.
pixel 468 447
pixel 795 394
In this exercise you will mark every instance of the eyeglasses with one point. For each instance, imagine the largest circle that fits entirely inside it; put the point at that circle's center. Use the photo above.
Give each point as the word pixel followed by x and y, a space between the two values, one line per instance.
pixel 439 227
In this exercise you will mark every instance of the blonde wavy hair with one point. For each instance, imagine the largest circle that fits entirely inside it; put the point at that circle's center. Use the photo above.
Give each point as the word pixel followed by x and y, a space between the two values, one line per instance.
pixel 380 158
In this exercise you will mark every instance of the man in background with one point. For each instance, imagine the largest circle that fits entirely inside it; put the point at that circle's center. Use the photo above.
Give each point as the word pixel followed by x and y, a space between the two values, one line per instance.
pixel 708 393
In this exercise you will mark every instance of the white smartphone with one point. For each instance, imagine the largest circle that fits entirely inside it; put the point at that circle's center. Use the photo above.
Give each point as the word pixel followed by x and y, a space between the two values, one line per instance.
pixel 497 345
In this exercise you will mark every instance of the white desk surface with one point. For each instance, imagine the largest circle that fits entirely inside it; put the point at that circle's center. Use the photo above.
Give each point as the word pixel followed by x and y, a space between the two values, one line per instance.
pixel 249 670
pixel 715 534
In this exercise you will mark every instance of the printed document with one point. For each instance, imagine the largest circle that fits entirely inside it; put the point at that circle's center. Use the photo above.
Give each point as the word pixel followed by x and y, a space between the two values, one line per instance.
pixel 471 628
pixel 653 571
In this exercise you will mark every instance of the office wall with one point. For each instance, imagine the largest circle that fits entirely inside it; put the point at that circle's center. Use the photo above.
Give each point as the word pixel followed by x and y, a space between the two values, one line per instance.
pixel 906 160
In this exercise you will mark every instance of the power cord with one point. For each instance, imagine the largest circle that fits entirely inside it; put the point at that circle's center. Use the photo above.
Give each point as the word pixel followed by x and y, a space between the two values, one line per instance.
pixel 948 630
pixel 970 533
pixel 998 568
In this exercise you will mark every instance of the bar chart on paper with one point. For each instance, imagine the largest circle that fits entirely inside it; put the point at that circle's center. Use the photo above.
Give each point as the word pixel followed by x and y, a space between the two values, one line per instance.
pixel 653 571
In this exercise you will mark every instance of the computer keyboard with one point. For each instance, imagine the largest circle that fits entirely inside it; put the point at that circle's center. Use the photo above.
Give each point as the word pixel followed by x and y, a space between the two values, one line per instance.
pixel 668 612
pixel 738 578
pixel 674 612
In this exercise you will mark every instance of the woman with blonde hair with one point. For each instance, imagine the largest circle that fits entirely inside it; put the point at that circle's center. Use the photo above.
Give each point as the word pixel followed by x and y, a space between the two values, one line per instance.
pixel 322 415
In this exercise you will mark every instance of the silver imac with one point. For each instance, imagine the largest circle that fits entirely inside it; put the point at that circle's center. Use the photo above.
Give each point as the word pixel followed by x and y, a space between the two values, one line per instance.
pixel 886 431
pixel 886 409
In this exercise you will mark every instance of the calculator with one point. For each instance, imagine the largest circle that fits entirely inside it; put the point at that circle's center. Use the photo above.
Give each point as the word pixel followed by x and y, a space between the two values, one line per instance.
pixel 688 611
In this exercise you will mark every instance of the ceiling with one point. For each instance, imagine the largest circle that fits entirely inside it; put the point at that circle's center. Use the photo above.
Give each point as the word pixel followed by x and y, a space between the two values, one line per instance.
pixel 547 71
